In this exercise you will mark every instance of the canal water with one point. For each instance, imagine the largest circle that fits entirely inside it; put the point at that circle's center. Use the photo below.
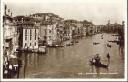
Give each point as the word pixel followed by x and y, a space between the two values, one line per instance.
pixel 73 61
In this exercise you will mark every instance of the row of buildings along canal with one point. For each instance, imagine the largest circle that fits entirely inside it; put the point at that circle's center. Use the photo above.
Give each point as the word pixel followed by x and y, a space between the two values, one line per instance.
pixel 36 32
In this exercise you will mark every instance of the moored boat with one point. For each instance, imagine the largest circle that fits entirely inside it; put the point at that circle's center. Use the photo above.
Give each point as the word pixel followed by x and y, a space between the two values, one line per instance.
pixel 42 49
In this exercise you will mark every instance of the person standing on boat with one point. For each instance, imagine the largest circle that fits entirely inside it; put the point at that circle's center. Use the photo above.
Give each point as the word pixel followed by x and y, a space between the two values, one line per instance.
pixel 97 59
pixel 108 57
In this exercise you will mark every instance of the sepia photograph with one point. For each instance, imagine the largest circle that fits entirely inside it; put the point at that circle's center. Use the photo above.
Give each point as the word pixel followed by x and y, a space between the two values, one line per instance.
pixel 63 40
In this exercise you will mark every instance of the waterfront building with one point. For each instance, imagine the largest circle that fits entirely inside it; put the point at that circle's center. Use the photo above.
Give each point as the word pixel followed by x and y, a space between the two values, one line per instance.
pixel 89 27
pixel 60 32
pixel 49 33
pixel 99 28
pixel 10 39
pixel 28 32
pixel 30 36
pixel 84 31
pixel 80 29
pixel 49 25
pixel 70 29
pixel 9 34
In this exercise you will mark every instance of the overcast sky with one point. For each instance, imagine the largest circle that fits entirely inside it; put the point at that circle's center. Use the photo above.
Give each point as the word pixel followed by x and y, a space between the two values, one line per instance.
pixel 97 11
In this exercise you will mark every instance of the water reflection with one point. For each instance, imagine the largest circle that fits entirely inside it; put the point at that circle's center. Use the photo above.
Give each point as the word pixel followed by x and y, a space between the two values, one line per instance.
pixel 97 72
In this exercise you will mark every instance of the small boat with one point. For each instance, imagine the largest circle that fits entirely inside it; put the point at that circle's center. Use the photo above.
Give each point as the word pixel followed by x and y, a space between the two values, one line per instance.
pixel 58 45
pixel 42 49
pixel 114 41
pixel 108 45
pixel 95 43
pixel 115 35
pixel 70 44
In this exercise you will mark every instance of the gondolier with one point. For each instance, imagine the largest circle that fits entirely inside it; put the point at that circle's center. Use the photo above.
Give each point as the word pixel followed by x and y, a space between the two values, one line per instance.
pixel 97 59
pixel 108 57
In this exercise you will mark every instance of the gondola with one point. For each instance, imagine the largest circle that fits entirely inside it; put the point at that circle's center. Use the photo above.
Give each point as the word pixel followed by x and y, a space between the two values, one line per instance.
pixel 98 64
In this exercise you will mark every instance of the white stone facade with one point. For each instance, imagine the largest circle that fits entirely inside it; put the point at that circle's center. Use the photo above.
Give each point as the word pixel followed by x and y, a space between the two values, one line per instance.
pixel 30 38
